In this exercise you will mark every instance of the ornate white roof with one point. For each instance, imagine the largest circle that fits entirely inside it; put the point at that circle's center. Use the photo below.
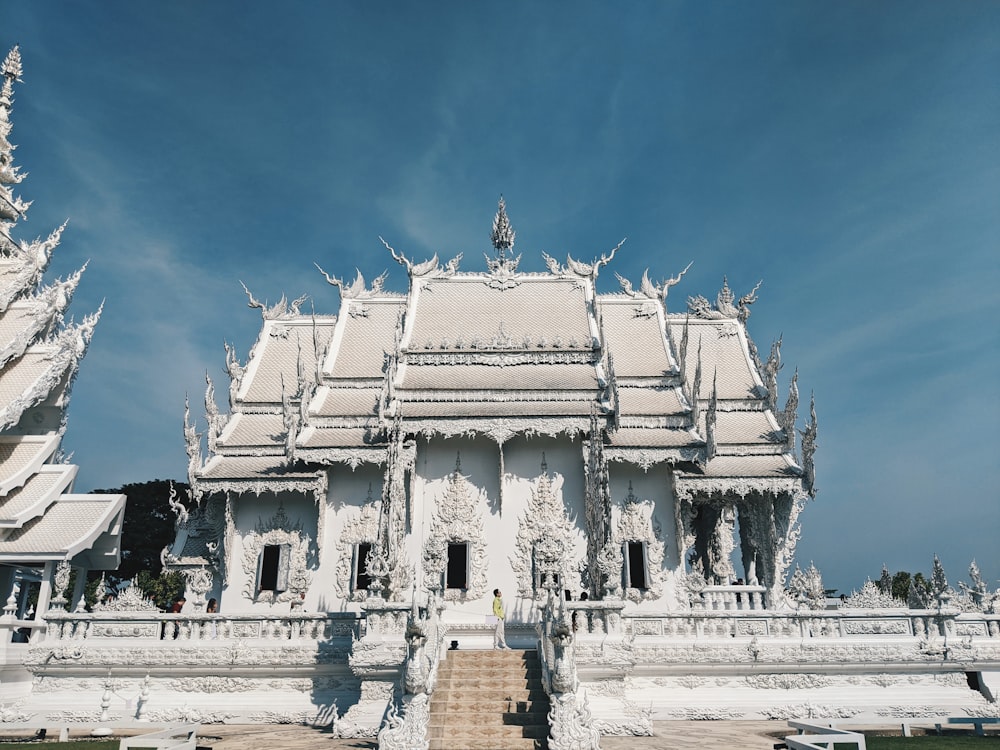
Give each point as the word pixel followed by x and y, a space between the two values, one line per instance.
pixel 501 353
pixel 83 528
pixel 21 456
pixel 32 498
pixel 39 357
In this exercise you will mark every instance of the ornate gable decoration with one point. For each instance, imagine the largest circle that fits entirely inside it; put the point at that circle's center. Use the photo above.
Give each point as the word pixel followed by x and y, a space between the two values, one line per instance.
pixel 277 530
pixel 456 522
pixel 129 599
pixel 429 268
pixel 502 269
pixel 724 307
pixel 362 529
pixel 545 542
pixel 637 524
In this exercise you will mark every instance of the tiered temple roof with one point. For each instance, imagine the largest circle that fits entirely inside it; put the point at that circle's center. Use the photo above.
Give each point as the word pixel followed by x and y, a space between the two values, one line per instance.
pixel 500 353
pixel 40 353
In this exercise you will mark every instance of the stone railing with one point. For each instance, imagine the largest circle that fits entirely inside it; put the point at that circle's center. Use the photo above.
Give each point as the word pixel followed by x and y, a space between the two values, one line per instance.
pixel 596 617
pixel 731 598
pixel 154 626
pixel 844 623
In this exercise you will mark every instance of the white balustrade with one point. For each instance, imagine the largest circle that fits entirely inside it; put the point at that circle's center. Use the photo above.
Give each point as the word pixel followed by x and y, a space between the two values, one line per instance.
pixel 201 627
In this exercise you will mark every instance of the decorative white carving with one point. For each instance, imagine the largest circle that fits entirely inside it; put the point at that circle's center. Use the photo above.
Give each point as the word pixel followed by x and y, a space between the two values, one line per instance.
pixel 871 597
pixel 358 290
pixel 806 587
pixel 544 543
pixel 637 524
pixel 724 307
pixel 361 529
pixel 129 599
pixel 455 521
pixel 277 530
pixel 787 681
pixel 281 310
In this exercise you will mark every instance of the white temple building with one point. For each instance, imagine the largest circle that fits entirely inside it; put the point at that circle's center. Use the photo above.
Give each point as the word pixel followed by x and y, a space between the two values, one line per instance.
pixel 620 465
pixel 45 529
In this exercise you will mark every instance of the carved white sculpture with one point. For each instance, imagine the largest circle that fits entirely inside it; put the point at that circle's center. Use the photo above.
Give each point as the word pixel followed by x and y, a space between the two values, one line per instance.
pixel 456 520
pixel 637 524
pixel 361 529
pixel 545 542
pixel 278 530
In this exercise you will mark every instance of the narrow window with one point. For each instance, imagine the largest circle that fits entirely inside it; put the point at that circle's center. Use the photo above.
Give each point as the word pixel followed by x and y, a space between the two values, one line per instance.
pixel 457 576
pixel 362 581
pixel 635 565
pixel 267 575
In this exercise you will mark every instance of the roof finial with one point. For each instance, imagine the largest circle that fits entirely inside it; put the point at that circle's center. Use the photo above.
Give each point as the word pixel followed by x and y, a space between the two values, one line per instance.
pixel 503 232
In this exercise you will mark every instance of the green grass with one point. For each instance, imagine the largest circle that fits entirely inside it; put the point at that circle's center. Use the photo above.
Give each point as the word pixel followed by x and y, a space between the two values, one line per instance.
pixel 930 742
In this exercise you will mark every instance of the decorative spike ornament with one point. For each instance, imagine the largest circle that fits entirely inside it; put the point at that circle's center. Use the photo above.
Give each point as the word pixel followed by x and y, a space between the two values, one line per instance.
pixel 710 418
pixel 790 413
pixel 503 233
pixel 809 449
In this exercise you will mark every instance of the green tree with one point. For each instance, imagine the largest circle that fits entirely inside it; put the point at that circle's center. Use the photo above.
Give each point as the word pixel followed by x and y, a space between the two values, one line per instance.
pixel 148 527
pixel 901 585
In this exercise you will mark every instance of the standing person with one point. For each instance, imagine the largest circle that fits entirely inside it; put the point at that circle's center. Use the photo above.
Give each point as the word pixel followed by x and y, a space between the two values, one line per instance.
pixel 499 641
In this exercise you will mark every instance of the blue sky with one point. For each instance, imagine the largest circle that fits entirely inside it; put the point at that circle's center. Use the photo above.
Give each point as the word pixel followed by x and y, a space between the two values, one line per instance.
pixel 846 153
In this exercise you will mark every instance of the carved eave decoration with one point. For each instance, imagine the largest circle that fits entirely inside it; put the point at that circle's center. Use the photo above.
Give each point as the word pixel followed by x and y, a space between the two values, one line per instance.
pixel 358 289
pixel 456 520
pixel 578 269
pixel 353 457
pixel 486 353
pixel 35 258
pixel 68 347
pixel 281 310
pixel 428 269
pixel 689 487
pixel 498 430
pixel 45 314
pixel 724 307
pixel 648 292
pixel 362 528
pixel 646 458
pixel 315 486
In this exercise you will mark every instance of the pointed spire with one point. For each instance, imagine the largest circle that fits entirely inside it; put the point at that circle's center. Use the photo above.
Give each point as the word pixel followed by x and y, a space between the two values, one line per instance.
pixel 696 391
pixel 12 208
pixel 710 418
pixel 503 232
pixel 809 449
pixel 685 338
pixel 770 374
pixel 790 414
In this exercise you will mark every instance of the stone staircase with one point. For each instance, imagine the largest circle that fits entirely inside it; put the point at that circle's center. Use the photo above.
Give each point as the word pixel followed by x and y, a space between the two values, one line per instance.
pixel 489 700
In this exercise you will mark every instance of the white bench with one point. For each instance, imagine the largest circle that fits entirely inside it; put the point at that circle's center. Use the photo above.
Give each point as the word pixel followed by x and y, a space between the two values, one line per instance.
pixel 182 737
pixel 977 722
pixel 821 737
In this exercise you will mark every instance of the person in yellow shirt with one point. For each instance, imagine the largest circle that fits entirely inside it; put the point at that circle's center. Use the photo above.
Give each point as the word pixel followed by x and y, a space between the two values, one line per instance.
pixel 499 641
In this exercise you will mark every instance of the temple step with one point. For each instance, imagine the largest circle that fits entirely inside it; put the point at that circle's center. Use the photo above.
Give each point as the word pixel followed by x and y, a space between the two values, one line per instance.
pixel 489 700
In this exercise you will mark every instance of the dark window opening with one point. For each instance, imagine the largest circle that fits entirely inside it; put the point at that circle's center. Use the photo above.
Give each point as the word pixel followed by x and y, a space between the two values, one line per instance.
pixel 635 555
pixel 457 576
pixel 362 581
pixel 270 564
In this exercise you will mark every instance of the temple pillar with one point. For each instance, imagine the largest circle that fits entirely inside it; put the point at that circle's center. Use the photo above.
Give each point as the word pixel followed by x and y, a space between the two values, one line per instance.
pixel 44 593
pixel 7 577
pixel 79 586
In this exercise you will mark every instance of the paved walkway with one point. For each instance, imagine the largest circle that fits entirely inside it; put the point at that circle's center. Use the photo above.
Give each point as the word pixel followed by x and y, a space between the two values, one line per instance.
pixel 668 735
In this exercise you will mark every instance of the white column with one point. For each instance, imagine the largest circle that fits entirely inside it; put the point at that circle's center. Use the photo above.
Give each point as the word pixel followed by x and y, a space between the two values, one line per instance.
pixel 45 590
pixel 78 587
